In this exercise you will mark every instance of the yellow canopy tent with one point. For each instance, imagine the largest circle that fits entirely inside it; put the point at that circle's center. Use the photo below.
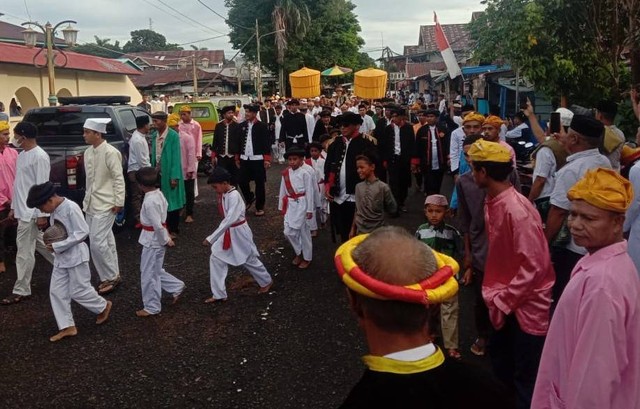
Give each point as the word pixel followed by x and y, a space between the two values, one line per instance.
pixel 370 83
pixel 305 83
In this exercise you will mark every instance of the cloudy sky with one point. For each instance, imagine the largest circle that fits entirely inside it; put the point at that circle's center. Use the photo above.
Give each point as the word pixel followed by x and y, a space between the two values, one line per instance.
pixel 392 24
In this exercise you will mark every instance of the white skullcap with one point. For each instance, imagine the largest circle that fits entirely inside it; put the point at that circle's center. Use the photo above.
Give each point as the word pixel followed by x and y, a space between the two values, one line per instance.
pixel 565 116
pixel 97 124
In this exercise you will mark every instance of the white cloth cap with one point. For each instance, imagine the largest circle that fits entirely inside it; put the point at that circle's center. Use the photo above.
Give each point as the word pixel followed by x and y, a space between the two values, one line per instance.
pixel 565 116
pixel 97 124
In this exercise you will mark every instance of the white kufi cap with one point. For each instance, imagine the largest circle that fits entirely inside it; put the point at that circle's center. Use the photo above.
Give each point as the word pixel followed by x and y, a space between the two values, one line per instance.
pixel 97 124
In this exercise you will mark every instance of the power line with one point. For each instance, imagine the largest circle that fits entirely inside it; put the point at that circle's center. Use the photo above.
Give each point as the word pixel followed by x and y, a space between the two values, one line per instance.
pixel 226 20
pixel 190 19
pixel 27 9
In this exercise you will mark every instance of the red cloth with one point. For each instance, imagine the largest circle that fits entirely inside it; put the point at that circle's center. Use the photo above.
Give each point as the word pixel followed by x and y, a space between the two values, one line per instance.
pixel 150 228
pixel 226 241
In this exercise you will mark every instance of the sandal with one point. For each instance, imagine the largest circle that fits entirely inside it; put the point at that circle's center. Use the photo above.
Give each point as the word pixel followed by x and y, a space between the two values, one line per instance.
pixel 14 299
pixel 109 286
pixel 453 353
pixel 259 213
pixel 478 347
pixel 212 300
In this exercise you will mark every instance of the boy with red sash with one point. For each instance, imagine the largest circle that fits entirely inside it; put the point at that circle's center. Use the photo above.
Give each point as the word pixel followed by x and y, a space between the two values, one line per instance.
pixel 232 242
pixel 297 204
pixel 155 239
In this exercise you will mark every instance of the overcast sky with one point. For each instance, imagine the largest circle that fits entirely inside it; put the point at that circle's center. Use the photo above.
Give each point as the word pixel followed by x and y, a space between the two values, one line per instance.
pixel 393 24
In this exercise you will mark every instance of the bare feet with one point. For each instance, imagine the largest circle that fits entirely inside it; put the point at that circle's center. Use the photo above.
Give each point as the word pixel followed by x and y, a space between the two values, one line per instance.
pixel 314 233
pixel 104 315
pixel 67 332
pixel 266 288
pixel 2 267
pixel 144 313
pixel 189 219
pixel 297 260
pixel 212 300
pixel 304 264
pixel 259 213
pixel 176 296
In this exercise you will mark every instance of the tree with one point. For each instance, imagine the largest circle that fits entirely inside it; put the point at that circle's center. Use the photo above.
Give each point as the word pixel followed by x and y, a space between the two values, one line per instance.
pixel 101 48
pixel 331 38
pixel 148 40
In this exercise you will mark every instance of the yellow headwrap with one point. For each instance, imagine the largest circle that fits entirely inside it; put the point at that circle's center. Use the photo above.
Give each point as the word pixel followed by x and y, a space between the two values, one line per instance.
pixel 173 120
pixel 185 108
pixel 473 116
pixel 4 125
pixel 629 155
pixel 604 189
pixel 439 287
pixel 494 121
pixel 485 151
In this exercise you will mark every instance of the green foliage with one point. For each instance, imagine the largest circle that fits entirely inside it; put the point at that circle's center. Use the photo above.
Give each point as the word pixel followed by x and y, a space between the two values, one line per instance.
pixel 330 38
pixel 101 48
pixel 148 40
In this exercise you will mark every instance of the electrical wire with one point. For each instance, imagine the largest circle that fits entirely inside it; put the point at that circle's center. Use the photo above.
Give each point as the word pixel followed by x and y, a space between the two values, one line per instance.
pixel 189 18
pixel 226 20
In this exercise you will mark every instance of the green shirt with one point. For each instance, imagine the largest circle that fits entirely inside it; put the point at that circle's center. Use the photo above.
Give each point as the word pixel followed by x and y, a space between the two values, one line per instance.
pixel 443 238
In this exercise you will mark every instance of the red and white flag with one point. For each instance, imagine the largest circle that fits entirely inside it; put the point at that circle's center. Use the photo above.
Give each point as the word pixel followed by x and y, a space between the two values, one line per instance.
pixel 445 49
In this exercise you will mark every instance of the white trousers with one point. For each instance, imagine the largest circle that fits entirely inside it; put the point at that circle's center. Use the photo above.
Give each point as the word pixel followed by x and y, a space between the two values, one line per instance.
pixel 218 273
pixel 300 240
pixel 73 283
pixel 312 222
pixel 28 240
pixel 103 245
pixel 154 279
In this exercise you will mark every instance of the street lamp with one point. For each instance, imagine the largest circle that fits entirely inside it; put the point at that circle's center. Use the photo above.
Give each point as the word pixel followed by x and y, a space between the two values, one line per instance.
pixel 49 31
pixel 258 37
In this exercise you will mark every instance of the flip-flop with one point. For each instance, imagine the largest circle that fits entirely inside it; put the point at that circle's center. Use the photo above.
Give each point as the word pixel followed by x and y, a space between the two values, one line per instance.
pixel 176 297
pixel 109 286
pixel 14 299
pixel 212 300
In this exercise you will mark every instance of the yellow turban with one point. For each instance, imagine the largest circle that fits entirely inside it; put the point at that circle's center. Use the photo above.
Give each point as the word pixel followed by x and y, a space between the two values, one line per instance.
pixel 4 125
pixel 473 116
pixel 173 120
pixel 494 121
pixel 185 108
pixel 629 155
pixel 484 151
pixel 604 189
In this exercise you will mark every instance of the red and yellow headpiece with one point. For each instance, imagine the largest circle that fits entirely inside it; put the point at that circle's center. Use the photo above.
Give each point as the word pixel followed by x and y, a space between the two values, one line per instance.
pixel 435 289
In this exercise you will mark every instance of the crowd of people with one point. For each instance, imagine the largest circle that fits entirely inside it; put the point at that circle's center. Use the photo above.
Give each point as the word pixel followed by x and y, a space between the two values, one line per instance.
pixel 556 283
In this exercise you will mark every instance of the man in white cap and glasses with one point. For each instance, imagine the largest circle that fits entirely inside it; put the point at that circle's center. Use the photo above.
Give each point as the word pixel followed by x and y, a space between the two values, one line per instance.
pixel 103 199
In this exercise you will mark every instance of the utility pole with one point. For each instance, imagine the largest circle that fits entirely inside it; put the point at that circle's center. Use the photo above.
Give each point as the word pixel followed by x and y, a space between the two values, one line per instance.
pixel 259 90
pixel 150 24
pixel 195 78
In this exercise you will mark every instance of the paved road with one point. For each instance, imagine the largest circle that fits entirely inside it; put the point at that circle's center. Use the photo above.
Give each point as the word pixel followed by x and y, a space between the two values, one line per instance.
pixel 297 347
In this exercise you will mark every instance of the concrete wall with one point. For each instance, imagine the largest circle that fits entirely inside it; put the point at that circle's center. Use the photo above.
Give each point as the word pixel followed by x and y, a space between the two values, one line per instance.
pixel 31 87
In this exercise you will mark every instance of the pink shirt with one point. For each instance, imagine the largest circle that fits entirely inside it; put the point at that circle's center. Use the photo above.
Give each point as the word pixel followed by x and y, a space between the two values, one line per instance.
pixel 591 358
pixel 8 160
pixel 194 130
pixel 187 153
pixel 518 275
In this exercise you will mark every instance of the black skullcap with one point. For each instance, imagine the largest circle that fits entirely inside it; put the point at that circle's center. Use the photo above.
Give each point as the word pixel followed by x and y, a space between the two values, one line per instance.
pixel 350 118
pixel 219 175
pixel 292 102
pixel 587 126
pixel 316 145
pixel 252 108
pixel 325 113
pixel 608 107
pixel 228 108
pixel 160 115
pixel 142 120
pixel 26 129
pixel 295 151
pixel 39 194
pixel 324 137
pixel 432 112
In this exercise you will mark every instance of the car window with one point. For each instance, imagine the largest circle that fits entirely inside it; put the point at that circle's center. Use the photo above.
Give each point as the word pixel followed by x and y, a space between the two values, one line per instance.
pixel 60 127
pixel 226 102
pixel 200 112
pixel 128 119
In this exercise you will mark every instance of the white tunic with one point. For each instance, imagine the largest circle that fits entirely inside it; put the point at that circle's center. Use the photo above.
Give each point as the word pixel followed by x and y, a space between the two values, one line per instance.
pixel 138 152
pixel 242 245
pixel 153 213
pixel 105 180
pixel 302 182
pixel 632 221
pixel 32 168
pixel 72 251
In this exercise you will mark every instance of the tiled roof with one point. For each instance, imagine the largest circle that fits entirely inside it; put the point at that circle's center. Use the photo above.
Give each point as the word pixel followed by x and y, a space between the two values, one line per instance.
pixel 413 49
pixel 149 78
pixel 422 68
pixel 172 57
pixel 20 54
pixel 13 34
pixel 457 34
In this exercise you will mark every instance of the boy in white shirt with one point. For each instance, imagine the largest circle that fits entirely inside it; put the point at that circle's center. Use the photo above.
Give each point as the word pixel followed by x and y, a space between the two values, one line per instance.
pixel 316 161
pixel 297 204
pixel 232 242
pixel 154 239
pixel 71 277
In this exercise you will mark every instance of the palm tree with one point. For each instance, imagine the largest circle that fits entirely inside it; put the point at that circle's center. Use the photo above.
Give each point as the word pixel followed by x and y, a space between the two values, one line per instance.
pixel 293 18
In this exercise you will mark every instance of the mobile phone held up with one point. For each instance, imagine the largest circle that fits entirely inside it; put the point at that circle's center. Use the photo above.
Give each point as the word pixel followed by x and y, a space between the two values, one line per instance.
pixel 523 101
pixel 554 123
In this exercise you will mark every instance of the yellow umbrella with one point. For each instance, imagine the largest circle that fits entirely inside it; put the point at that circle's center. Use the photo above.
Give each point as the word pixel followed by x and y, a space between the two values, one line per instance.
pixel 305 83
pixel 370 83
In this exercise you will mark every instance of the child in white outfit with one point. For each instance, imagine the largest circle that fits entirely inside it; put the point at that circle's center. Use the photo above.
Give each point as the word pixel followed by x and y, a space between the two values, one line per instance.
pixel 154 239
pixel 71 278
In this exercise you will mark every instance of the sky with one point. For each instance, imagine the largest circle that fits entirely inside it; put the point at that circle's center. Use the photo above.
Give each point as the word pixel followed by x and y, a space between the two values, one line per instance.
pixel 383 23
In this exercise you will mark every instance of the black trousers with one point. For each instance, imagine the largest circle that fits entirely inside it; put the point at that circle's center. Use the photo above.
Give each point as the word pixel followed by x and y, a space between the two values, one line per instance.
pixel 563 263
pixel 173 221
pixel 515 356
pixel 342 218
pixel 189 188
pixel 399 178
pixel 3 232
pixel 480 310
pixel 432 181
pixel 229 164
pixel 253 170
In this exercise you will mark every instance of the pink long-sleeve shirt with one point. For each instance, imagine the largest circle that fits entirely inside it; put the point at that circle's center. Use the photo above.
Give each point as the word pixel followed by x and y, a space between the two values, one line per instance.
pixel 8 158
pixel 188 156
pixel 518 272
pixel 194 130
pixel 591 358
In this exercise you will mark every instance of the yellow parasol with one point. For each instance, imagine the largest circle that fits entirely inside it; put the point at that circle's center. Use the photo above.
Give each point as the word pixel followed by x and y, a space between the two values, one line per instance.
pixel 305 83
pixel 370 83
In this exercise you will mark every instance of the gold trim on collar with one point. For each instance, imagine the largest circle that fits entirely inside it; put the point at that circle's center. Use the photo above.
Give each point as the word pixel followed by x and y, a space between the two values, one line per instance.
pixel 382 364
